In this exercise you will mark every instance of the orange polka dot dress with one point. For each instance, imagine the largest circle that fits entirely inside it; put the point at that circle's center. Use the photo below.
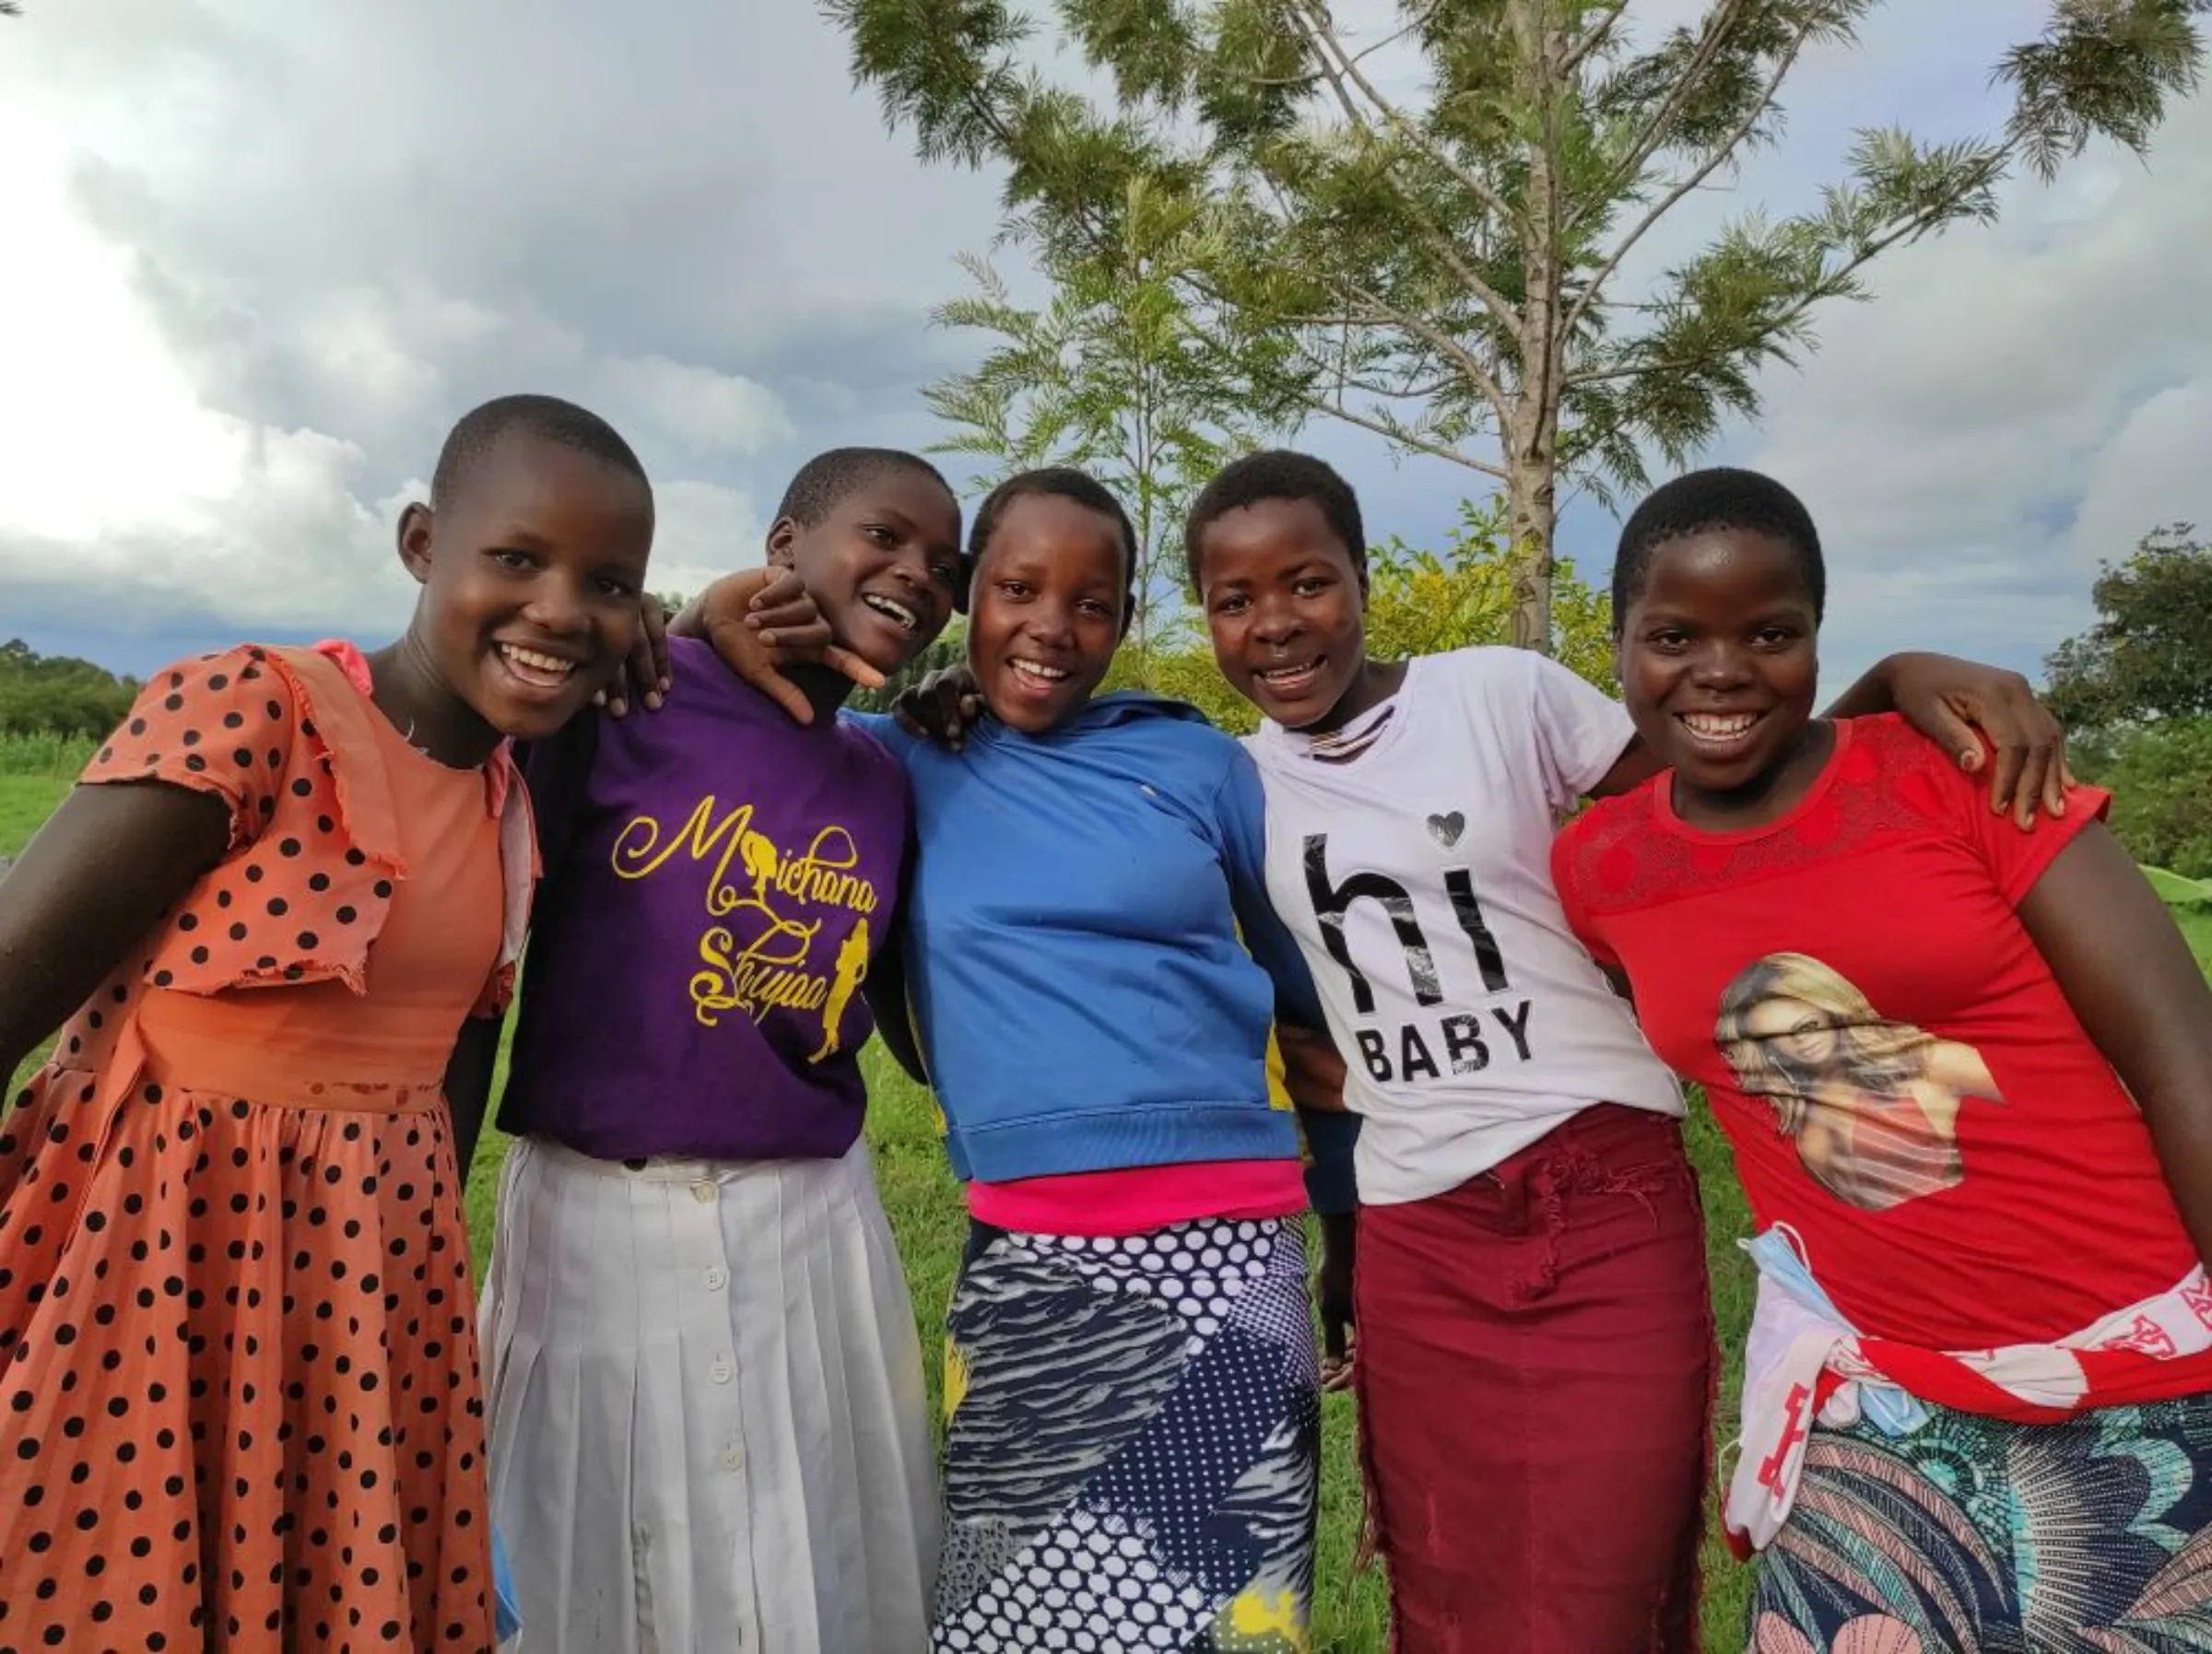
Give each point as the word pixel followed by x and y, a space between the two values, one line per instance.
pixel 239 1406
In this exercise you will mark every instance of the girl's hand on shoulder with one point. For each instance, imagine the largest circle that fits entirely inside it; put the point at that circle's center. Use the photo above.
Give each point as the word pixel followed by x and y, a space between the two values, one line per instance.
pixel 1988 719
pixel 942 708
pixel 646 674
pixel 761 623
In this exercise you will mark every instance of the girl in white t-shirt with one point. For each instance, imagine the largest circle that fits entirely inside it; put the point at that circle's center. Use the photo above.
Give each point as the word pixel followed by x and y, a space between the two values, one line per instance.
pixel 1535 1350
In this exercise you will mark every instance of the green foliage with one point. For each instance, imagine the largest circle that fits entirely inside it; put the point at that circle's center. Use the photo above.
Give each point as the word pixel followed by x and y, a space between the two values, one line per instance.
pixel 59 695
pixel 2149 655
pixel 1422 603
pixel 1440 265
pixel 2178 892
pixel 1107 376
pixel 2160 778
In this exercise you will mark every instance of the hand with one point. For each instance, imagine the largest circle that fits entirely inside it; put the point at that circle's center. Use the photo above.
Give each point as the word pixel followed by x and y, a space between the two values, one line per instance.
pixel 645 672
pixel 761 622
pixel 1948 700
pixel 1333 1291
pixel 942 708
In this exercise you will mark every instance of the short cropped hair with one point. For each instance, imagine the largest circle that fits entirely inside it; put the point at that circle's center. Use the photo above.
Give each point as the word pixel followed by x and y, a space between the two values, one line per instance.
pixel 1058 482
pixel 547 418
pixel 1276 474
pixel 1706 501
pixel 824 481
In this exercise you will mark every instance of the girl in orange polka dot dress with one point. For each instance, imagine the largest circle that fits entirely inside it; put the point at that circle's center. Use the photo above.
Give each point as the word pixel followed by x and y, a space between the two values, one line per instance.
pixel 238 1396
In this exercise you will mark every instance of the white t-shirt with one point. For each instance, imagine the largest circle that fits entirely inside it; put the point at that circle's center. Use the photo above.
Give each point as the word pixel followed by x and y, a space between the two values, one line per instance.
pixel 1410 854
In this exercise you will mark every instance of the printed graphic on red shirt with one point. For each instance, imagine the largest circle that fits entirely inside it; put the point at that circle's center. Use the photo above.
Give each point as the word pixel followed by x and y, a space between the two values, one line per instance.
pixel 1872 1105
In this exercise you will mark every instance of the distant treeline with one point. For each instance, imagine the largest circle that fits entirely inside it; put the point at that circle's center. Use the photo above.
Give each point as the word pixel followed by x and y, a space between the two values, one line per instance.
pixel 59 695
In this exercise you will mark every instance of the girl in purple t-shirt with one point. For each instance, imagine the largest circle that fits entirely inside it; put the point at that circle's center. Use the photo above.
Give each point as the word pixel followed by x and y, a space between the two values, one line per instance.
pixel 708 1421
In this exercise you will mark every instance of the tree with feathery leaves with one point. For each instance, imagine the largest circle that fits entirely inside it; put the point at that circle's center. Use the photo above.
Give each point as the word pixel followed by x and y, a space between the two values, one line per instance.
pixel 1444 267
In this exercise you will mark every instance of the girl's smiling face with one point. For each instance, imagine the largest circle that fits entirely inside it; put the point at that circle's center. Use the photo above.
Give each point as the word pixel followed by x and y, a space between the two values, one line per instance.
pixel 1719 661
pixel 883 564
pixel 1285 606
pixel 532 571
pixel 1048 610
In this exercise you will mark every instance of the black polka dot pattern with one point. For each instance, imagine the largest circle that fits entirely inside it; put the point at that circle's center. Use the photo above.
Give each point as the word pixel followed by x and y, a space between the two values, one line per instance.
pixel 302 896
pixel 225 1406
pixel 237 1346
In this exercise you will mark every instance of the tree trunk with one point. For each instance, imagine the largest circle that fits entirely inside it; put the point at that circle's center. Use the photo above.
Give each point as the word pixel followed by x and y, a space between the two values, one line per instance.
pixel 1532 503
pixel 1532 430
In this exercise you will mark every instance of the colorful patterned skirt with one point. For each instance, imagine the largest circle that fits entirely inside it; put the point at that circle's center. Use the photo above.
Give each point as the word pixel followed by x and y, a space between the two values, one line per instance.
pixel 1975 1533
pixel 1133 1459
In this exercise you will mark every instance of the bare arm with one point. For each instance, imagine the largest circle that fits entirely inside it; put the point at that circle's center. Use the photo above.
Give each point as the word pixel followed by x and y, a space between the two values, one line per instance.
pixel 101 873
pixel 468 1086
pixel 885 990
pixel 1947 700
pixel 763 620
pixel 1312 1068
pixel 2130 978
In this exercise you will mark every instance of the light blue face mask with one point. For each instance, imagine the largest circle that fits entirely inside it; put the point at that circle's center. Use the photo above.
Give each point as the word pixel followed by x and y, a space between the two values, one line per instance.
pixel 1891 1411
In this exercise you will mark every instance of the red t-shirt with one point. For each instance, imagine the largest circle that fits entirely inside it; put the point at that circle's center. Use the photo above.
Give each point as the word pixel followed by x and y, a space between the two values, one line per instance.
pixel 1902 1080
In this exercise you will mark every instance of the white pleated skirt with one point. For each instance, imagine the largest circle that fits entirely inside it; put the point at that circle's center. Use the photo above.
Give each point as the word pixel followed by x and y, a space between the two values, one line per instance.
pixel 708 1429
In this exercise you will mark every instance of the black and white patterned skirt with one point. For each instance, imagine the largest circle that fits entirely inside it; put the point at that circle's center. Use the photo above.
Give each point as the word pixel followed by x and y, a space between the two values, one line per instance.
pixel 1133 1457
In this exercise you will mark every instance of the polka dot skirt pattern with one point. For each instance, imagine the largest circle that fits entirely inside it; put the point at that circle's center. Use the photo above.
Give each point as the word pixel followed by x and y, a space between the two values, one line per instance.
pixel 241 1400
pixel 1132 1462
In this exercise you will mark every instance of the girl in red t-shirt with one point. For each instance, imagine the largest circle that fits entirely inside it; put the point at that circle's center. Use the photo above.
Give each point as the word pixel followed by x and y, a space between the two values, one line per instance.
pixel 1967 1073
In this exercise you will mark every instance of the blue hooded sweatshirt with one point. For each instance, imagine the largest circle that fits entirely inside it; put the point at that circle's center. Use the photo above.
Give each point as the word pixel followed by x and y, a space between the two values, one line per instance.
pixel 1082 994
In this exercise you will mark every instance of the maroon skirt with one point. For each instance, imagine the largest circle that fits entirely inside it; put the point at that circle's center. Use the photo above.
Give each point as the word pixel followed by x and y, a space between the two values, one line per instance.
pixel 1535 1374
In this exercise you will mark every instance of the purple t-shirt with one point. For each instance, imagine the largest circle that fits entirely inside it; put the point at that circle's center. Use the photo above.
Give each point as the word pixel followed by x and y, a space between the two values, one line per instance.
pixel 717 880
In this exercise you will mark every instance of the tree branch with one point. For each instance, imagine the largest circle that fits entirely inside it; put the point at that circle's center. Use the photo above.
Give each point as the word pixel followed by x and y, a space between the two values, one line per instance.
pixel 1451 349
pixel 1653 137
pixel 1829 287
pixel 1688 181
pixel 1347 68
pixel 1593 41
pixel 1398 434
pixel 1389 315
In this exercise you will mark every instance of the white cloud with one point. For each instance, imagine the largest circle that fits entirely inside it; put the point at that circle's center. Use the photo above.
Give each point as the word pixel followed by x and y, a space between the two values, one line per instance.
pixel 2017 403
pixel 701 533
pixel 708 412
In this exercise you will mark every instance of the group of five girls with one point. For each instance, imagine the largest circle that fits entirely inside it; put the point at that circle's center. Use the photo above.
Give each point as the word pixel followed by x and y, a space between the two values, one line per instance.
pixel 233 1281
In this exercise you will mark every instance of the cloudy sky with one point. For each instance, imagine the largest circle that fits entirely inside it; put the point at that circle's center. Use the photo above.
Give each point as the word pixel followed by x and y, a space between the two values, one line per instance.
pixel 260 252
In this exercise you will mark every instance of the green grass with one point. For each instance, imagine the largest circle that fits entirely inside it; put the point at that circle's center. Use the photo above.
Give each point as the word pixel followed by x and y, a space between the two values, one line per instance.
pixel 925 1207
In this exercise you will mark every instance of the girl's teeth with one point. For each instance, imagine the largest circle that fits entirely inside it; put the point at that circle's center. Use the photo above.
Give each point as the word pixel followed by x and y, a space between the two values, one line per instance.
pixel 1718 729
pixel 540 662
pixel 528 662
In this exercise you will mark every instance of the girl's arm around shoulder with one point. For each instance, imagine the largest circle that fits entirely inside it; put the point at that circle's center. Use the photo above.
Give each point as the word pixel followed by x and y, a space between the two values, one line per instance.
pixel 1241 817
pixel 1984 717
pixel 2129 975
